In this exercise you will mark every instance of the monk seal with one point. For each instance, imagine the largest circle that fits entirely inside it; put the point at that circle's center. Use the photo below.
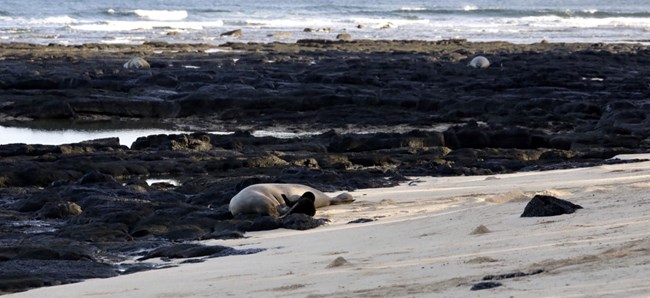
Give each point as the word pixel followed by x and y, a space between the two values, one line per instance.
pixel 479 62
pixel 137 63
pixel 279 199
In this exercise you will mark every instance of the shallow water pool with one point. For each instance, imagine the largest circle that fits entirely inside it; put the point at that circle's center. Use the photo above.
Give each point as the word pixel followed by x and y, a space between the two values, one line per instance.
pixel 12 135
pixel 57 134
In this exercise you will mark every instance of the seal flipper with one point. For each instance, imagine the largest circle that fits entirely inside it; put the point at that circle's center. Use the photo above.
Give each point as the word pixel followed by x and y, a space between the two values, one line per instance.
pixel 287 201
pixel 343 198
pixel 282 210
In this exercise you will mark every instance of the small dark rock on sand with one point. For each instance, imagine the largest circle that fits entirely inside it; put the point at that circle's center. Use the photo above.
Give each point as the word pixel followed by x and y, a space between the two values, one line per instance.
pixel 485 285
pixel 488 284
pixel 542 205
pixel 338 262
pixel 361 220
pixel 512 275
pixel 299 221
pixel 481 229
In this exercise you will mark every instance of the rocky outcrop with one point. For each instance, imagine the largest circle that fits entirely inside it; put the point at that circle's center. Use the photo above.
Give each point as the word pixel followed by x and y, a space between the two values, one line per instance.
pixel 576 93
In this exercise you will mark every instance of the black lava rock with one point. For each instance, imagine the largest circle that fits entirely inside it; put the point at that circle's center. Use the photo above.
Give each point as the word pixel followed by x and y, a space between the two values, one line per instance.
pixel 361 220
pixel 485 285
pixel 511 275
pixel 542 205
pixel 299 221
pixel 184 251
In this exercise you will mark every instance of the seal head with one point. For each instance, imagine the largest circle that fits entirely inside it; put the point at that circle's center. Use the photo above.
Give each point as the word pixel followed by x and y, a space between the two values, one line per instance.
pixel 305 204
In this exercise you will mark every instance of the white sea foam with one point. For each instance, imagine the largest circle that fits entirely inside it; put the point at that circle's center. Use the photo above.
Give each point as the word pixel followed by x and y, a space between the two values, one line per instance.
pixel 161 15
pixel 470 7
pixel 220 50
pixel 290 23
pixel 413 9
pixel 380 22
pixel 53 20
pixel 116 26
pixel 580 22
pixel 15 30
pixel 129 40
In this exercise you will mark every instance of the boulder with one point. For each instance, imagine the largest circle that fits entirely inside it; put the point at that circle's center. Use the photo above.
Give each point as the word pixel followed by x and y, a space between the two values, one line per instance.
pixel 541 205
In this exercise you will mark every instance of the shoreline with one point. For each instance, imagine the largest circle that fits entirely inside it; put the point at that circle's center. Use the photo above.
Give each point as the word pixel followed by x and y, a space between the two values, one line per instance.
pixel 409 45
pixel 421 243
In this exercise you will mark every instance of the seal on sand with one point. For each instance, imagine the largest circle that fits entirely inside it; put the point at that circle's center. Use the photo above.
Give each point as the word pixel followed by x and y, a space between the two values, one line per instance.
pixel 279 199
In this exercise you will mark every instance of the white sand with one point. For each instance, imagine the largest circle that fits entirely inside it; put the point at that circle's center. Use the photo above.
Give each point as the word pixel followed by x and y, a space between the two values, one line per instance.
pixel 421 245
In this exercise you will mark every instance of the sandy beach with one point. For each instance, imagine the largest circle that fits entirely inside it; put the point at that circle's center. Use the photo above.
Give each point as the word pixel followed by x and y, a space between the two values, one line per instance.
pixel 424 242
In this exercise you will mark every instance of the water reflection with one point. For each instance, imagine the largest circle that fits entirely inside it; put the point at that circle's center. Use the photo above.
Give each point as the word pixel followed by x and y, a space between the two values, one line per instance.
pixel 173 182
pixel 58 136
pixel 11 135
pixel 66 132
pixel 283 134
pixel 53 132
pixel 63 132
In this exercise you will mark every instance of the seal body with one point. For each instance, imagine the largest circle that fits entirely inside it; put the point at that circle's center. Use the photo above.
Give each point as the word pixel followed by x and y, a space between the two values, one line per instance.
pixel 272 198
pixel 479 62
pixel 137 63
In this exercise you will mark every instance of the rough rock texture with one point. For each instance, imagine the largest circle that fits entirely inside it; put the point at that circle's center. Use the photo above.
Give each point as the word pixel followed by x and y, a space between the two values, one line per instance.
pixel 563 96
pixel 541 205
pixel 484 285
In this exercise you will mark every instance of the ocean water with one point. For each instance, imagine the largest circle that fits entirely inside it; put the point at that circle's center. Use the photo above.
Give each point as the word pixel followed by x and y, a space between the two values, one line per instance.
pixel 202 21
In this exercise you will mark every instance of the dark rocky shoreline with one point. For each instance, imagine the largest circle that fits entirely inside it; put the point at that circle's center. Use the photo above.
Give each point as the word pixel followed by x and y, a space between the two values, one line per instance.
pixel 385 110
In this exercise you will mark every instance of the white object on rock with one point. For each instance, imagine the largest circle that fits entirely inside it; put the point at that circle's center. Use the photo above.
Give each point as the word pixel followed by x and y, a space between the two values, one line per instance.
pixel 479 62
pixel 137 63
